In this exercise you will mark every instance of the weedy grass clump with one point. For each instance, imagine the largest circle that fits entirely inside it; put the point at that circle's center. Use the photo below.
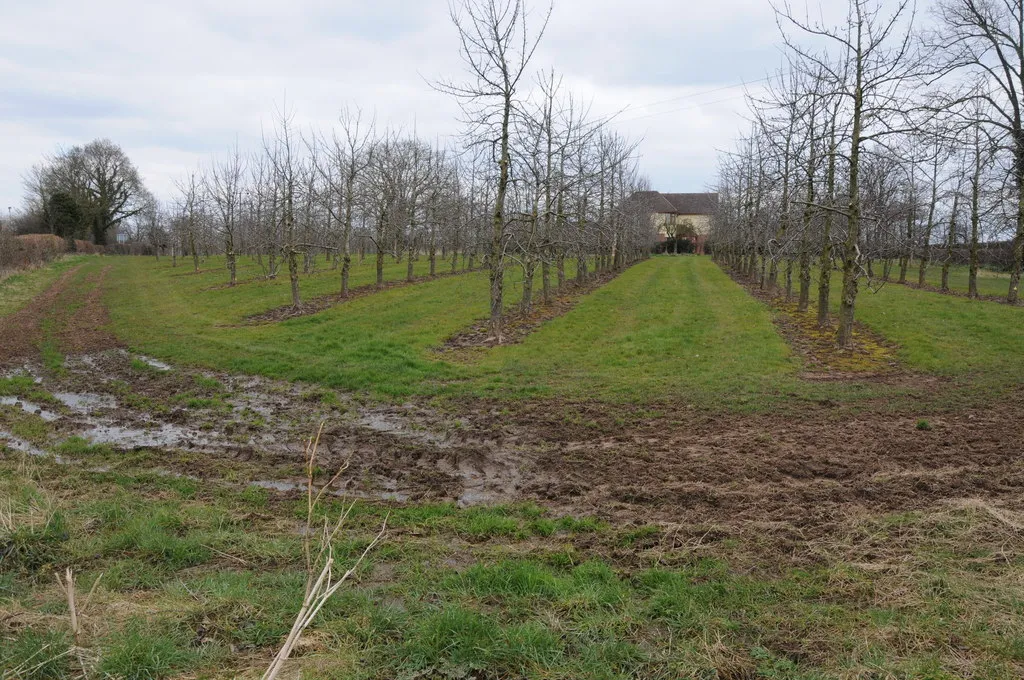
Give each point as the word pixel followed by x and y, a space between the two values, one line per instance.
pixel 33 529
pixel 24 386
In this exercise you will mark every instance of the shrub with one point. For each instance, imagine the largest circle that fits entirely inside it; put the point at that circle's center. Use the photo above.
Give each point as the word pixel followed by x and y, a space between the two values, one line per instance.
pixel 17 252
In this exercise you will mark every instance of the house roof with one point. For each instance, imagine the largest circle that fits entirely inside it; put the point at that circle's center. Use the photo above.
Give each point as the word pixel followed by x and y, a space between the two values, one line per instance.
pixel 693 204
pixel 654 201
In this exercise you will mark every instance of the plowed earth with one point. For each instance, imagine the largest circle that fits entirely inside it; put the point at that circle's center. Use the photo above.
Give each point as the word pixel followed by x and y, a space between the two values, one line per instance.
pixel 790 478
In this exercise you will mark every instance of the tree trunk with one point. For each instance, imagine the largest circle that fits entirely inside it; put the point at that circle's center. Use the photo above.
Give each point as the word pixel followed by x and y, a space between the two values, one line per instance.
pixel 496 274
pixel 950 242
pixel 972 276
pixel 545 280
pixel 847 302
pixel 529 270
pixel 926 253
pixel 229 254
pixel 789 279
pixel 1018 241
pixel 293 276
pixel 192 249
pixel 825 261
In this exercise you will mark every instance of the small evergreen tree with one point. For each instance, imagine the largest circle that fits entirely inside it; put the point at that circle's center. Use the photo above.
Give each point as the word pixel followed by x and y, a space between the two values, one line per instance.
pixel 65 216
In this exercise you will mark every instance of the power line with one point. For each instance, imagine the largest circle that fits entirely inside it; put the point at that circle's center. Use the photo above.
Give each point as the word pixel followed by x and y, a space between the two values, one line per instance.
pixel 701 94
pixel 681 108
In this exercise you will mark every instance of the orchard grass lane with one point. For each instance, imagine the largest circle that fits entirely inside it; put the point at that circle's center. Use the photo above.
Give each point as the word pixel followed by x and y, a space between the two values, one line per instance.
pixel 17 289
pixel 668 329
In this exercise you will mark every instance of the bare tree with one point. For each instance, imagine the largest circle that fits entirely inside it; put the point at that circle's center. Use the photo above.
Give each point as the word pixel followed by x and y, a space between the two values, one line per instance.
pixel 223 188
pixel 349 157
pixel 871 70
pixel 986 37
pixel 189 188
pixel 281 151
pixel 496 45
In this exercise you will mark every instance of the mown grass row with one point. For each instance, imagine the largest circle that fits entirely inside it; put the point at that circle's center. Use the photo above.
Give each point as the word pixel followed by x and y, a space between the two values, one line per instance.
pixel 663 329
pixel 990 281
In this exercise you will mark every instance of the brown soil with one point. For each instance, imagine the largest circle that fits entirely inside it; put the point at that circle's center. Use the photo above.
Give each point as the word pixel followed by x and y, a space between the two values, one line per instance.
pixel 87 329
pixel 516 324
pixel 319 304
pixel 22 332
pixel 808 472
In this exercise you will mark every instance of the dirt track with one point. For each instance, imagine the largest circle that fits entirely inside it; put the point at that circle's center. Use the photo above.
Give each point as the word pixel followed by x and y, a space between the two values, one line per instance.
pixel 75 313
pixel 804 474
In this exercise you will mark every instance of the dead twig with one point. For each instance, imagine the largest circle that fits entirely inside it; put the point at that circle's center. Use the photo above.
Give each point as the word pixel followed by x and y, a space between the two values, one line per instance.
pixel 320 587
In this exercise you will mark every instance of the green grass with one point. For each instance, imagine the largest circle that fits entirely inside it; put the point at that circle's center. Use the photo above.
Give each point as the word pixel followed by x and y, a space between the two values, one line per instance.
pixel 990 282
pixel 21 385
pixel 17 289
pixel 670 328
pixel 947 335
pixel 377 343
pixel 205 581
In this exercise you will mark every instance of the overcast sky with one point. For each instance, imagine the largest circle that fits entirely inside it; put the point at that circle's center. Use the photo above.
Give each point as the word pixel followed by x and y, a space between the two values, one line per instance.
pixel 176 82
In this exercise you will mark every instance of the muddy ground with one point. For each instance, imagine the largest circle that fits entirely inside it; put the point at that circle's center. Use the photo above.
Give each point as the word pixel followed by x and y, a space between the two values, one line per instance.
pixel 791 477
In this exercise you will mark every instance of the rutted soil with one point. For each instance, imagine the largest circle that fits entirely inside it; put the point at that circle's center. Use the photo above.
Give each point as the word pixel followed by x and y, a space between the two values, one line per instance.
pixel 808 472
pixel 22 332
pixel 804 473
pixel 795 476
pixel 74 314
pixel 399 453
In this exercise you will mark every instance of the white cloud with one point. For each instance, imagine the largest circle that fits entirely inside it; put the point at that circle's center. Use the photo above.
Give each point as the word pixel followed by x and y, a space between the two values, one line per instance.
pixel 176 81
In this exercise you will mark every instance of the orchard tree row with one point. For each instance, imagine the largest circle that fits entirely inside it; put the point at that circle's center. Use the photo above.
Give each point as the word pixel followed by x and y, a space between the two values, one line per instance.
pixel 889 143
pixel 534 181
pixel 538 181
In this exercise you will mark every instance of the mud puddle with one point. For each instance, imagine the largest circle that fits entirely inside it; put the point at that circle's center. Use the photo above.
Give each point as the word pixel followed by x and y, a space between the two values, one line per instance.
pixel 154 363
pixel 86 402
pixel 396 453
pixel 18 444
pixel 283 486
pixel 806 472
pixel 162 436
pixel 29 407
